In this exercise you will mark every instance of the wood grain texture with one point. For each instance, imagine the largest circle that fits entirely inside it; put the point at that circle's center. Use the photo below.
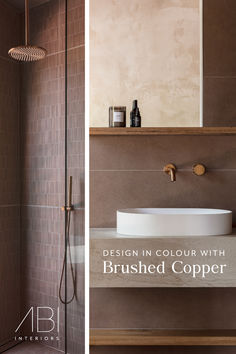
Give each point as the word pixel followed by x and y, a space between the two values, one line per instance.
pixel 164 131
pixel 156 337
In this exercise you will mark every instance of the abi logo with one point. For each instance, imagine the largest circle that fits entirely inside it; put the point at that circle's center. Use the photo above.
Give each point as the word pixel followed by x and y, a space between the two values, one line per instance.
pixel 42 317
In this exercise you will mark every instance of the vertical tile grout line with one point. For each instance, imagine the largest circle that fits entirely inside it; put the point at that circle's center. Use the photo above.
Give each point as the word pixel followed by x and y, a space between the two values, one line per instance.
pixel 87 182
pixel 201 62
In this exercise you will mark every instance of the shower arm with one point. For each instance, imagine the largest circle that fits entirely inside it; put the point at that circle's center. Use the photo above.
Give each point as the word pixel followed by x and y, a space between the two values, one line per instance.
pixel 69 206
pixel 26 22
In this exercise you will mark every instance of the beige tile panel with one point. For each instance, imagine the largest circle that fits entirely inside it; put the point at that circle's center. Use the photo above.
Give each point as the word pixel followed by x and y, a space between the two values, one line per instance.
pixel 146 50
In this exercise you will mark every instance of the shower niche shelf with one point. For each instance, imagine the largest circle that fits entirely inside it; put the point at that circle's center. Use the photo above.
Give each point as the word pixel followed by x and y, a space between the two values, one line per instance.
pixel 164 131
pixel 160 337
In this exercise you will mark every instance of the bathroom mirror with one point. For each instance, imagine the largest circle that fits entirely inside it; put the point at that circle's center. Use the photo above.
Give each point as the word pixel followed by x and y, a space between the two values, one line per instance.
pixel 176 57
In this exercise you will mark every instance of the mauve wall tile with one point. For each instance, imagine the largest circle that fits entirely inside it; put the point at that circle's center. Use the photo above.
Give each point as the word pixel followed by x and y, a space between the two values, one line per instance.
pixel 10 28
pixel 43 112
pixel 76 23
pixel 45 25
pixel 163 308
pixel 43 131
pixel 117 190
pixel 127 172
pixel 219 37
pixel 9 271
pixel 76 98
pixel 219 48
pixel 153 152
pixel 9 132
pixel 219 102
pixel 9 175
pixel 41 250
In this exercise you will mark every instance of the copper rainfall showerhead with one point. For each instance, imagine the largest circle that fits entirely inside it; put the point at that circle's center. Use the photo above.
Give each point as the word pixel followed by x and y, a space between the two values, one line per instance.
pixel 27 53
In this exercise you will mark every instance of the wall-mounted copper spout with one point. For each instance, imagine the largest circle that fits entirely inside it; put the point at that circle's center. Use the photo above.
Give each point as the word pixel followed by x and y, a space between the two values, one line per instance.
pixel 170 169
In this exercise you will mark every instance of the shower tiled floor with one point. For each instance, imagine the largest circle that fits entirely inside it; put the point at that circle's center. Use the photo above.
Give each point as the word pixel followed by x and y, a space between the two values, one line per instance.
pixel 32 348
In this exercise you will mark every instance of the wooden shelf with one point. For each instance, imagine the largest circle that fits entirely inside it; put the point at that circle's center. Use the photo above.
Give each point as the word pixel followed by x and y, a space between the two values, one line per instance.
pixel 164 131
pixel 157 337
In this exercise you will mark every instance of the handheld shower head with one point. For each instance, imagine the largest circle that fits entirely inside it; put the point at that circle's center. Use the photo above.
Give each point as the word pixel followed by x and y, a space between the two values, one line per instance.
pixel 27 53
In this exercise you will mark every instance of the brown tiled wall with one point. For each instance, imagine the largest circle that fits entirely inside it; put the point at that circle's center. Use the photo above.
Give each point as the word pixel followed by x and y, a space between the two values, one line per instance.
pixel 76 98
pixel 36 91
pixel 42 131
pixel 219 63
pixel 43 113
pixel 9 176
pixel 126 172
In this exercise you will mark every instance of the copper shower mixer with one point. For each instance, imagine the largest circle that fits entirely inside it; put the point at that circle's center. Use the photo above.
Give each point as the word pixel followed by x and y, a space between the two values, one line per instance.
pixel 69 206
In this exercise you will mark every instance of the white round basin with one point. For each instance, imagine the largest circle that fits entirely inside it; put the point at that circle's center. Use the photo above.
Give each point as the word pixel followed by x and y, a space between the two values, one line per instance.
pixel 174 222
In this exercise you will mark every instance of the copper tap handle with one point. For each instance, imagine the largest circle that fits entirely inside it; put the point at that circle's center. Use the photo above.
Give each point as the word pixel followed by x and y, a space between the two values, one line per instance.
pixel 199 169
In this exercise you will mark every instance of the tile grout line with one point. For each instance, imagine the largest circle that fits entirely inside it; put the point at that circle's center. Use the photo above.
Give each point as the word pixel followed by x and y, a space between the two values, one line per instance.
pixel 178 170
pixel 62 51
pixel 47 206
pixel 219 77
pixel 35 206
pixel 8 59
